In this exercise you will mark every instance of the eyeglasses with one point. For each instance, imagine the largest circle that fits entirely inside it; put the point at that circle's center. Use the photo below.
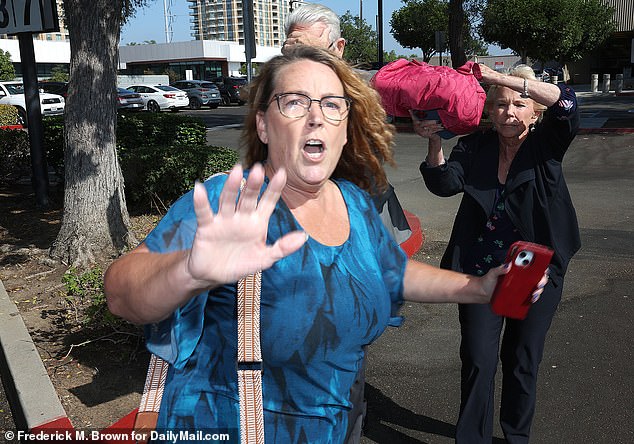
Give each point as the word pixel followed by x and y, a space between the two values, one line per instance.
pixel 296 106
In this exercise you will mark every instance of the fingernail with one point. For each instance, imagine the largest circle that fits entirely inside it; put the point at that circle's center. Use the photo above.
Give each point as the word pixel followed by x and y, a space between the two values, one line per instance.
pixel 507 265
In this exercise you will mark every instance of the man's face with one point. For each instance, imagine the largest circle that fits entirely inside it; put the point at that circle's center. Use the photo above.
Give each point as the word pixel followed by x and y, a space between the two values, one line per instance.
pixel 316 35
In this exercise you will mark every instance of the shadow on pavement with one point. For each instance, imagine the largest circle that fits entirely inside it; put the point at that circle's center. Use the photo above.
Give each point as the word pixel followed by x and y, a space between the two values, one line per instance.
pixel 383 412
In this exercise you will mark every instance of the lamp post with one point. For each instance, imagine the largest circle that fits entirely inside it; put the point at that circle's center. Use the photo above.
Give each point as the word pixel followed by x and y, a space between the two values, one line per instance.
pixel 380 32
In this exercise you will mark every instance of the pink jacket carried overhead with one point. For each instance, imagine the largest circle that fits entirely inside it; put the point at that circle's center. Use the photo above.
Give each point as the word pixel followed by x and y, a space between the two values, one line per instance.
pixel 455 93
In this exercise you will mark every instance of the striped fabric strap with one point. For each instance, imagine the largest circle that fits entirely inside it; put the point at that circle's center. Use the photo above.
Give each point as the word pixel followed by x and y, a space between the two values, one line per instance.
pixel 250 360
pixel 154 385
pixel 147 415
pixel 249 368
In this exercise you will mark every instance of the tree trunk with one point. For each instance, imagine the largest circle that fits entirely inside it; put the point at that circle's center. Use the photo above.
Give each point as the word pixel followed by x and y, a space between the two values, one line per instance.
pixel 456 33
pixel 95 221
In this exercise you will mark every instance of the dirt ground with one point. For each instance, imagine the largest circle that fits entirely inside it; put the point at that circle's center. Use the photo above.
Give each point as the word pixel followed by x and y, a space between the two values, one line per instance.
pixel 98 372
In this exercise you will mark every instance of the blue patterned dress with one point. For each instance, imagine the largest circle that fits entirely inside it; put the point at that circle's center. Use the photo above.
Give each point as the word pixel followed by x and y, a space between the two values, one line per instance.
pixel 319 306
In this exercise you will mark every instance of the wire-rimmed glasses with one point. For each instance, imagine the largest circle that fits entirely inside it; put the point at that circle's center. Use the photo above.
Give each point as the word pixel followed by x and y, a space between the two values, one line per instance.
pixel 296 106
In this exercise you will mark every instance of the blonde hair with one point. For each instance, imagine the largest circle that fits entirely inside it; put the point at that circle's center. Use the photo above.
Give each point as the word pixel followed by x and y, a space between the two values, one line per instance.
pixel 523 72
pixel 370 137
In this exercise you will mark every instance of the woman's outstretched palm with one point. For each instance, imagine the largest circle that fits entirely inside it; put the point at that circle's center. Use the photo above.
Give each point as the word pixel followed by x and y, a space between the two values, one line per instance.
pixel 232 243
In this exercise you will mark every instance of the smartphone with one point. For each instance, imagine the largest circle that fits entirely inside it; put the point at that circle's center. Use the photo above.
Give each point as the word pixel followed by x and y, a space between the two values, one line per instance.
pixel 512 295
pixel 432 114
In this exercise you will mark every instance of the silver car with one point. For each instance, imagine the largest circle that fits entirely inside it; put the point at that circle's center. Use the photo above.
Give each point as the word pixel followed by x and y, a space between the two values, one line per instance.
pixel 200 92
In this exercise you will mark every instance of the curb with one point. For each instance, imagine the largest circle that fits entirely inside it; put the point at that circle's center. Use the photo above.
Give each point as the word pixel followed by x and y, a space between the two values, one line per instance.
pixel 30 392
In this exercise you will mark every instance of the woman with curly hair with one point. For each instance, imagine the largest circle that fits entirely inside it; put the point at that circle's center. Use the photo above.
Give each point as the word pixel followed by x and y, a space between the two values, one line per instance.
pixel 332 276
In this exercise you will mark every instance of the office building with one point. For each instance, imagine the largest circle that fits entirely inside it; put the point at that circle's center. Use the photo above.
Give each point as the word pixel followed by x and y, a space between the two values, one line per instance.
pixel 223 20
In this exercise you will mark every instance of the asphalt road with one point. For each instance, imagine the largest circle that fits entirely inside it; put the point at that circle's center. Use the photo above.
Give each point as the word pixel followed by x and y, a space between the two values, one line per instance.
pixel 586 388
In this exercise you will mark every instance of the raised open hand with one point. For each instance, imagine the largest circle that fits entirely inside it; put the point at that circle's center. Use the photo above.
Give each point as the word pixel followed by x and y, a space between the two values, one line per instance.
pixel 232 243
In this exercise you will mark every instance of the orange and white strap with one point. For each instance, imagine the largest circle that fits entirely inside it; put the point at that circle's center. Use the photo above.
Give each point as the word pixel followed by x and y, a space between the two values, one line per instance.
pixel 250 360
pixel 249 370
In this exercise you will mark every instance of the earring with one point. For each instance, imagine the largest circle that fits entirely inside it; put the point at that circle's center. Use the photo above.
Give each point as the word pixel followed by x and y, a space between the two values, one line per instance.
pixel 531 127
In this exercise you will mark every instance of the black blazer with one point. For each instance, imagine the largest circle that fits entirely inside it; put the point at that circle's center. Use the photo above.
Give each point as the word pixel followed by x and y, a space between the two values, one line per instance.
pixel 538 202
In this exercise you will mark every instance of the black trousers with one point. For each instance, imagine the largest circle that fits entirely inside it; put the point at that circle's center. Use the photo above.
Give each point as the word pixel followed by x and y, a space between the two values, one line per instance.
pixel 521 353
pixel 356 416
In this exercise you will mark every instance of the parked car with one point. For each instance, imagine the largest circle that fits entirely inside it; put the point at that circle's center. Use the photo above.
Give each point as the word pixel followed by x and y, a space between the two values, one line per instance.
pixel 159 97
pixel 129 100
pixel 200 92
pixel 12 93
pixel 60 88
pixel 230 89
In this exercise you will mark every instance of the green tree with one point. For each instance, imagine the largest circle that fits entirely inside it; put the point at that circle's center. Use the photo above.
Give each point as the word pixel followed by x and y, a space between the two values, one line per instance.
pixel 361 40
pixel 59 73
pixel 464 39
pixel 145 42
pixel 563 30
pixel 7 71
pixel 415 24
pixel 95 222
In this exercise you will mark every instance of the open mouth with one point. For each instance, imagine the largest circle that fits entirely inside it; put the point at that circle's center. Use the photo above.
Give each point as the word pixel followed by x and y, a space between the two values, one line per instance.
pixel 314 148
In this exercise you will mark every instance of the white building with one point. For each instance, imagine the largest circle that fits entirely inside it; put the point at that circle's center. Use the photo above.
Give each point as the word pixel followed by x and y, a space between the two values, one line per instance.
pixel 206 59
pixel 48 54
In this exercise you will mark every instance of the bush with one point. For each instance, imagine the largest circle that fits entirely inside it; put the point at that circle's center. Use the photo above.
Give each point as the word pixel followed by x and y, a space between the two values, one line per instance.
pixel 15 154
pixel 8 115
pixel 161 155
pixel 54 143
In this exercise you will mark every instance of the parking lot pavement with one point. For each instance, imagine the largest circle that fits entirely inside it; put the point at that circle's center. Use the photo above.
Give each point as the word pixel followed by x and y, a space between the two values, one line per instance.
pixel 586 388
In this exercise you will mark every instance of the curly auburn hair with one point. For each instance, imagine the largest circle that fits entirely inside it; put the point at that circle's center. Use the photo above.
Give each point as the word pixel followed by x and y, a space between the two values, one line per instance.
pixel 370 137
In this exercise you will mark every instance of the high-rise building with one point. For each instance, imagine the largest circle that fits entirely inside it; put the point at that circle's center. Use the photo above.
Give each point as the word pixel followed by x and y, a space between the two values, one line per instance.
pixel 60 36
pixel 223 20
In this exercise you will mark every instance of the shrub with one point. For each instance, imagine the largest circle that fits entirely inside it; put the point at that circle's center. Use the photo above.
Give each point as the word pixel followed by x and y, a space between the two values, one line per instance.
pixel 15 154
pixel 161 155
pixel 8 115
pixel 84 288
pixel 54 143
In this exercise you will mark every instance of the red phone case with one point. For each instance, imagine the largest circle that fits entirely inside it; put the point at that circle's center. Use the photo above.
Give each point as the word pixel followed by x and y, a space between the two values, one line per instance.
pixel 512 295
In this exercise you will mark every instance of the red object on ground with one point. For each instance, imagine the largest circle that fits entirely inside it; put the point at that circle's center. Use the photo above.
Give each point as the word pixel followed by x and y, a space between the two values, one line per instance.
pixel 416 240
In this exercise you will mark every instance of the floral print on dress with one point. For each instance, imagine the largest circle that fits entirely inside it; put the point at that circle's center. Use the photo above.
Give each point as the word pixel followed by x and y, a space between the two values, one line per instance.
pixel 490 248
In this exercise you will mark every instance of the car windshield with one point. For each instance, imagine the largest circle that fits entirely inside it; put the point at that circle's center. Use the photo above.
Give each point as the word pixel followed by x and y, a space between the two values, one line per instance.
pixel 166 88
pixel 15 88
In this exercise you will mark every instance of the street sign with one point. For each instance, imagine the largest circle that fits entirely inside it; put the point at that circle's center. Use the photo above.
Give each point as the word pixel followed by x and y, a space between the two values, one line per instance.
pixel 28 16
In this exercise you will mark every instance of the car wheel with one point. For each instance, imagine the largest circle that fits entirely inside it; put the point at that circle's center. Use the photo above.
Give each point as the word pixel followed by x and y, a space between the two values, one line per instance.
pixel 213 106
pixel 226 100
pixel 194 103
pixel 21 120
pixel 241 102
pixel 153 107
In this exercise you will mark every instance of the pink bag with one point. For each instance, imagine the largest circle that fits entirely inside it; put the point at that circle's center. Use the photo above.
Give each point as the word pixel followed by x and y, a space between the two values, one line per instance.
pixel 455 93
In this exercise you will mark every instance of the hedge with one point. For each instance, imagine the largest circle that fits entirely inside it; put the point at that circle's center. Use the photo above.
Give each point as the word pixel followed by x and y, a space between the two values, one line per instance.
pixel 8 115
pixel 161 154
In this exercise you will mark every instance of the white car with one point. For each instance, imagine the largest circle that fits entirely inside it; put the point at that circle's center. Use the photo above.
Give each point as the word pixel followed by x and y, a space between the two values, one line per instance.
pixel 159 97
pixel 12 93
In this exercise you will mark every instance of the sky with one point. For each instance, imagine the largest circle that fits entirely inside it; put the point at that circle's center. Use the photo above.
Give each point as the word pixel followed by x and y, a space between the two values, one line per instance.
pixel 149 22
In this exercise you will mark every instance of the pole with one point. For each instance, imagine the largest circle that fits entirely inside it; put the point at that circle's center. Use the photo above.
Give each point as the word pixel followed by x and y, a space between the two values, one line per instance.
pixel 380 32
pixel 39 168
pixel 249 35
pixel 167 39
